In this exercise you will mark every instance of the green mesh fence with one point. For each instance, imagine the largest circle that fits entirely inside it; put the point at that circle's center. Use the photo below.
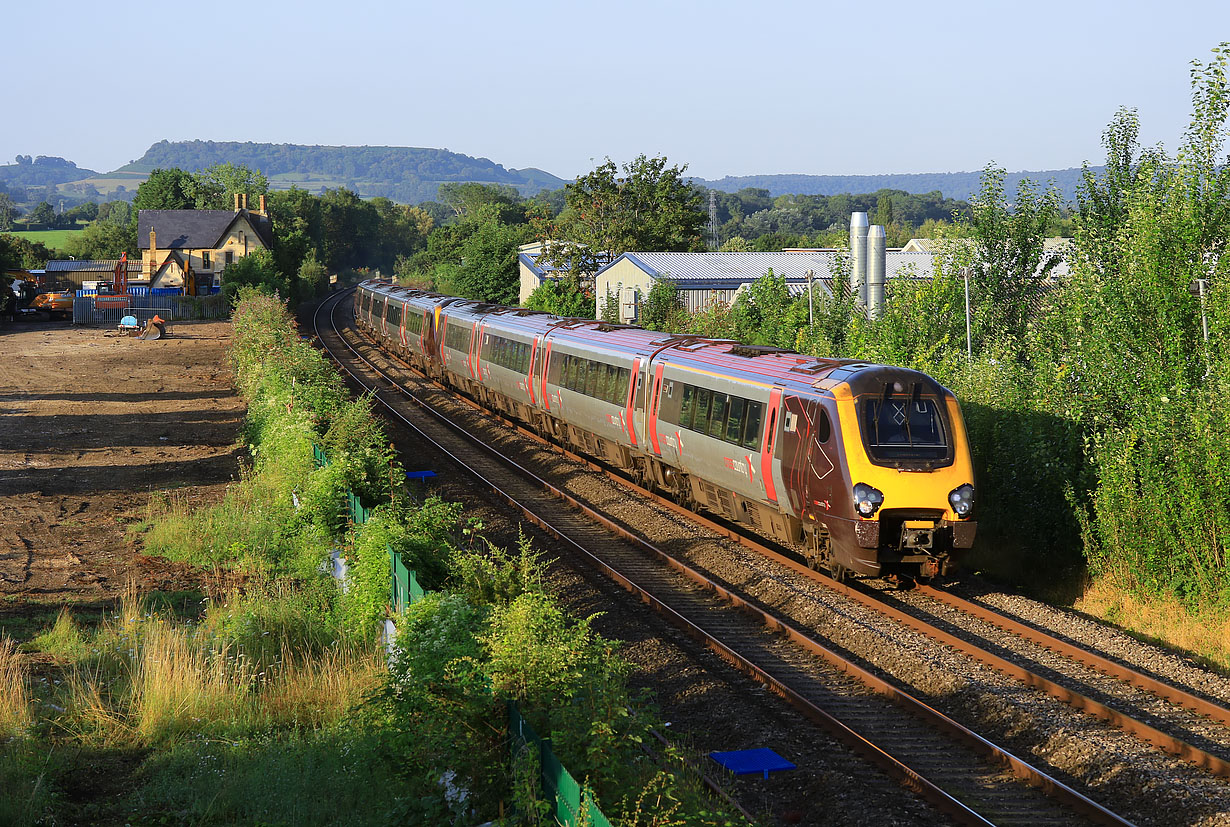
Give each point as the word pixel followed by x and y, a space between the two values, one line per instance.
pixel 573 804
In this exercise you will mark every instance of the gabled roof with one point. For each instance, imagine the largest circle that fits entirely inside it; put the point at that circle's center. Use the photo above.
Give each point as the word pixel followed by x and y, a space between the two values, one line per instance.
pixel 173 256
pixel 195 229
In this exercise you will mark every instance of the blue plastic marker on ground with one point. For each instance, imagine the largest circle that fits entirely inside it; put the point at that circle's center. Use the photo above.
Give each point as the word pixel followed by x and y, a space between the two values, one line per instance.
pixel 420 475
pixel 749 761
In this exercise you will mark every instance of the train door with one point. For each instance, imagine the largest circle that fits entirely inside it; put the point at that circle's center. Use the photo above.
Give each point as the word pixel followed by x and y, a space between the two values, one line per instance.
pixel 808 458
pixel 769 464
pixel 634 411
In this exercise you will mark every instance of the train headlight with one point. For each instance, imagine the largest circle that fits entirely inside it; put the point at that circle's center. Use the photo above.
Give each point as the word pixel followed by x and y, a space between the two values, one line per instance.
pixel 867 500
pixel 962 500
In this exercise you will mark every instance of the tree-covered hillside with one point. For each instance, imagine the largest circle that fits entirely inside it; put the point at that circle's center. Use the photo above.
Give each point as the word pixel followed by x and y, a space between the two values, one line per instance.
pixel 957 185
pixel 41 171
pixel 405 174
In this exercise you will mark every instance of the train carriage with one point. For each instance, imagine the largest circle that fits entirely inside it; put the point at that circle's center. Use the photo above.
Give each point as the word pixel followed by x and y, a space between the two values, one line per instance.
pixel 865 467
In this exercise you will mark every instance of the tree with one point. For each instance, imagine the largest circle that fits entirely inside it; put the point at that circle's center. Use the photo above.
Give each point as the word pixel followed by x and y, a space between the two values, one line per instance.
pixel 649 207
pixel 103 240
pixel 216 186
pixel 42 215
pixel 465 198
pixel 8 211
pixel 487 262
pixel 257 269
pixel 1009 256
pixel 166 189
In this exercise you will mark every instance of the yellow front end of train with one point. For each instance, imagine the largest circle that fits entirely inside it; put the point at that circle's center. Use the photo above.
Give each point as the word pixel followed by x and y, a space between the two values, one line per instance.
pixel 910 477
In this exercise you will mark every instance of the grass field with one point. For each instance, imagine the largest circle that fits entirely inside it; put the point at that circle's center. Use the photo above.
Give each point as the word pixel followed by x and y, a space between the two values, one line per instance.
pixel 54 239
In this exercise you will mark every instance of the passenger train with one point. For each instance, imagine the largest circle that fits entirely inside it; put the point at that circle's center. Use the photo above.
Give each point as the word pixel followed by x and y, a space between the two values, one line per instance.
pixel 864 467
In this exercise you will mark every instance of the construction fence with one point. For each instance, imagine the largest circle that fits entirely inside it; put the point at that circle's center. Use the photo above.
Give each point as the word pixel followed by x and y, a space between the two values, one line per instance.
pixel 110 309
pixel 572 804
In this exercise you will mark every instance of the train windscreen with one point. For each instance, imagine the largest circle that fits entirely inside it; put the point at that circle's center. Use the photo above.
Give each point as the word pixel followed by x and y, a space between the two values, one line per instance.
pixel 904 429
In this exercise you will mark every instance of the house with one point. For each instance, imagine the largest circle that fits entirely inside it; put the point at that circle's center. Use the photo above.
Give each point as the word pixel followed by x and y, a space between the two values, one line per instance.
pixel 191 248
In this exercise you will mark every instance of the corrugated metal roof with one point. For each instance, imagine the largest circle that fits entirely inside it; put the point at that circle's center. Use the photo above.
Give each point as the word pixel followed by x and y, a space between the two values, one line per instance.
pixel 91 265
pixel 720 268
pixel 686 267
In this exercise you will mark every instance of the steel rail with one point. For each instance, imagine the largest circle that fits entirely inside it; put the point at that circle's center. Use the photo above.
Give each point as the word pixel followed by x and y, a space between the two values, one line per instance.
pixel 895 768
pixel 1167 743
pixel 1177 696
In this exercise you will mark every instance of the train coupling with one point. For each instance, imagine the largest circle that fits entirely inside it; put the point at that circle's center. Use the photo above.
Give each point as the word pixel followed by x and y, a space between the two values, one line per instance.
pixel 917 538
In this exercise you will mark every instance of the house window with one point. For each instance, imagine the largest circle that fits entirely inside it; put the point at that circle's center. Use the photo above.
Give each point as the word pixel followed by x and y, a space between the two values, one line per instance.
pixel 229 256
pixel 205 263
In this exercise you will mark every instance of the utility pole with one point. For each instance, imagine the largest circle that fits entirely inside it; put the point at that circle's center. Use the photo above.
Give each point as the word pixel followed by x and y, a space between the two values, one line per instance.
pixel 811 313
pixel 713 225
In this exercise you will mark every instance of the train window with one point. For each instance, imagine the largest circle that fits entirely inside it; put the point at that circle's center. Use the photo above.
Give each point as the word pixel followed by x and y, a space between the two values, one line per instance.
pixel 717 415
pixel 592 377
pixel 612 385
pixel 625 379
pixel 394 314
pixel 751 425
pixel 734 420
pixel 687 406
pixel 525 357
pixel 700 421
pixel 904 429
pixel 824 429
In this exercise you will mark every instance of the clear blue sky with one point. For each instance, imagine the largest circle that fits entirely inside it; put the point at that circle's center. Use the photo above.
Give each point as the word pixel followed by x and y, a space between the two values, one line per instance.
pixel 729 88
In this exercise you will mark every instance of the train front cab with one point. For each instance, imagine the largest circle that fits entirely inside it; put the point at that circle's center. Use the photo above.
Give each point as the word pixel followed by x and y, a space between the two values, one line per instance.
pixel 908 479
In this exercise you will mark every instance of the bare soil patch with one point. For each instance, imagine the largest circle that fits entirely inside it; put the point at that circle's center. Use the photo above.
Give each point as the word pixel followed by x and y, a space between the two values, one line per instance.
pixel 90 423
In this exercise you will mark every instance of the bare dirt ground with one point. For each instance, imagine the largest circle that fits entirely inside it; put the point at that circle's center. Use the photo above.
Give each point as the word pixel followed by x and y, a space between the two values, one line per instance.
pixel 90 423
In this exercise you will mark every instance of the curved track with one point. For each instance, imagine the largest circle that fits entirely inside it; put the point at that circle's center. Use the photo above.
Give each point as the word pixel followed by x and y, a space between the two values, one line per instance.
pixel 961 773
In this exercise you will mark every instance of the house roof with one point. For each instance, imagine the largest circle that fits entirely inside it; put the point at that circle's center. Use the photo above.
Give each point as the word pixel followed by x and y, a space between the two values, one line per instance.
pixel 91 266
pixel 195 229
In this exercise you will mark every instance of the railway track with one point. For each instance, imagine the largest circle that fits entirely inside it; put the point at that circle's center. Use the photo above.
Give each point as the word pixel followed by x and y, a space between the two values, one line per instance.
pixel 964 775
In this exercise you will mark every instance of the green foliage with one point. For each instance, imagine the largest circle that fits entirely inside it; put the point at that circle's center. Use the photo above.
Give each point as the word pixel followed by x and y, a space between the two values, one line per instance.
pixel 423 534
pixel 565 297
pixel 762 313
pixel 663 309
pixel 1009 259
pixel 322 778
pixel 649 207
pixel 20 252
pixel 492 576
pixel 166 189
pixel 217 186
pixel 257 269
pixel 104 239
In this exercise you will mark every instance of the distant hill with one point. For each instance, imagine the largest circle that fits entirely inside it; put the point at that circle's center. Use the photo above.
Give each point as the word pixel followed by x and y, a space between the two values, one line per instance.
pixel 959 185
pixel 41 171
pixel 406 174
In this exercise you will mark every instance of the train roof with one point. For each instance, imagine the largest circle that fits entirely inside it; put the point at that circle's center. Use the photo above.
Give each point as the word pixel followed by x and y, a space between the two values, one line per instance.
pixel 755 363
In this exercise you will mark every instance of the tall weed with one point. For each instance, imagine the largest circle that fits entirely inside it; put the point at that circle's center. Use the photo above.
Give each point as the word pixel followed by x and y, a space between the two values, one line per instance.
pixel 15 717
